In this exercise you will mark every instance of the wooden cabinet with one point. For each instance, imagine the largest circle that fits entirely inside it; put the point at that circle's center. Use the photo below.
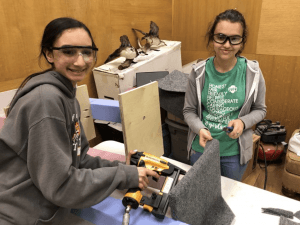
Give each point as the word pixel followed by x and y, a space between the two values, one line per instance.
pixel 252 163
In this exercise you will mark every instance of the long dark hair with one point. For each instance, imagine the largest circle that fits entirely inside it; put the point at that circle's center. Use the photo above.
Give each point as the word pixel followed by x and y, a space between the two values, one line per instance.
pixel 233 16
pixel 52 32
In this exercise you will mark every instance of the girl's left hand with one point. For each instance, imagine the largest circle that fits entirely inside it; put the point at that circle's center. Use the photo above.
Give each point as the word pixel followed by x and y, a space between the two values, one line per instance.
pixel 238 128
pixel 132 152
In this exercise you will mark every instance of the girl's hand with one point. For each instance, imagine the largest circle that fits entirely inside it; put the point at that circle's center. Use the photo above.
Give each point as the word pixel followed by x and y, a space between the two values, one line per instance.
pixel 238 128
pixel 132 152
pixel 142 171
pixel 204 136
pixel 143 176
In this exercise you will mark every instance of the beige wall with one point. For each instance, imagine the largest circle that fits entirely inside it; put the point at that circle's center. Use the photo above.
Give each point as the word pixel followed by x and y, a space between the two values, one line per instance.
pixel 22 24
pixel 273 40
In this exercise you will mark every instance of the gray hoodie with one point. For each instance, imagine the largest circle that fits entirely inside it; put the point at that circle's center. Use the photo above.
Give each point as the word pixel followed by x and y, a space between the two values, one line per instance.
pixel 44 166
pixel 252 111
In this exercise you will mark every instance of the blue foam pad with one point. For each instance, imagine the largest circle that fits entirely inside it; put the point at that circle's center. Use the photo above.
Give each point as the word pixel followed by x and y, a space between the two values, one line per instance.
pixel 105 109
pixel 110 211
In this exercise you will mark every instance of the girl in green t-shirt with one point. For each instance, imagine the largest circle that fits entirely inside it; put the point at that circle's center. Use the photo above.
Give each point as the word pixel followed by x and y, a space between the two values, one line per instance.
pixel 225 91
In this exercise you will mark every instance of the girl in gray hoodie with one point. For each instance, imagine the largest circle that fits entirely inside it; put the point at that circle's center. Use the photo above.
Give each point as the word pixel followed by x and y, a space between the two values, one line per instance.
pixel 44 167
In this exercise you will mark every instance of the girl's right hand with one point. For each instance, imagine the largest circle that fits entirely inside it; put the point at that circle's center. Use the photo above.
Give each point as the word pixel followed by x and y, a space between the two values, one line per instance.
pixel 204 136
pixel 143 177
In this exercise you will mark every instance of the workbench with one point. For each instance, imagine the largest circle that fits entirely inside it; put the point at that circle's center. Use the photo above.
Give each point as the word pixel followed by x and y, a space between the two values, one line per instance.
pixel 245 201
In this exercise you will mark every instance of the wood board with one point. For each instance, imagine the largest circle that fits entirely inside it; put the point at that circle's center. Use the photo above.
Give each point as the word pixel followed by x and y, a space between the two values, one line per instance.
pixel 253 161
pixel 141 121
pixel 86 119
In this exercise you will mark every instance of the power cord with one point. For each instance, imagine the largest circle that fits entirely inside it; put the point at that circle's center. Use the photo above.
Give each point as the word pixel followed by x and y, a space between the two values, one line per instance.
pixel 266 164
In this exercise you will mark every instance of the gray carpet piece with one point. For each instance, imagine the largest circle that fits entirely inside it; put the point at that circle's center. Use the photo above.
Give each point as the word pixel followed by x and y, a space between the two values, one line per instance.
pixel 172 92
pixel 286 221
pixel 176 81
pixel 278 212
pixel 172 102
pixel 297 214
pixel 197 198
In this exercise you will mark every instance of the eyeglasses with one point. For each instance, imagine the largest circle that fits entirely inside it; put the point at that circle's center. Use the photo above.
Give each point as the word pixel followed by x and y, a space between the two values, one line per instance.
pixel 72 53
pixel 233 40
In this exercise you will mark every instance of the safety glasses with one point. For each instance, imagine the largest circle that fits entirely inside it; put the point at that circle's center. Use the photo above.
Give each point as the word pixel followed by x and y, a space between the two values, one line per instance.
pixel 233 40
pixel 70 52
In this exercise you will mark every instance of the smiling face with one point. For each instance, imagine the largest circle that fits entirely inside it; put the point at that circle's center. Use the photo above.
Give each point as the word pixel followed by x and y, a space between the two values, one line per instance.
pixel 73 68
pixel 227 51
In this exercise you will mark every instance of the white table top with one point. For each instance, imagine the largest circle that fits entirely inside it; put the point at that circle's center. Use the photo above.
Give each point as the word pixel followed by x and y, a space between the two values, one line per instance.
pixel 247 201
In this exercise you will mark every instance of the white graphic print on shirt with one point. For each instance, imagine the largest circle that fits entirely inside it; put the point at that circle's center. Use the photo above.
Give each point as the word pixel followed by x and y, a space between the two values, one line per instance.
pixel 76 136
pixel 217 111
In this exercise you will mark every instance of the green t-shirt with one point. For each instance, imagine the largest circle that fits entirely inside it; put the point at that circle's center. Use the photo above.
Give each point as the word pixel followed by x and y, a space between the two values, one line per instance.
pixel 222 98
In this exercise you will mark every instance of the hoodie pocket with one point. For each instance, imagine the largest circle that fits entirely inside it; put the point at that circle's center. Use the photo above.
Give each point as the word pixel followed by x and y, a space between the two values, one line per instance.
pixel 246 144
pixel 58 216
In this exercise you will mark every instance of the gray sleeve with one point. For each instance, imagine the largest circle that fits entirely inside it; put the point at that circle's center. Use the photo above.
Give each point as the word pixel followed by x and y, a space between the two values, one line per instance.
pixel 191 105
pixel 258 108
pixel 49 162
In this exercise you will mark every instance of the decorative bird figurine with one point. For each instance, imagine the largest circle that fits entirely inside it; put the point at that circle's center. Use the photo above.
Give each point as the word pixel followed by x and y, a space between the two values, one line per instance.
pixel 152 38
pixel 125 50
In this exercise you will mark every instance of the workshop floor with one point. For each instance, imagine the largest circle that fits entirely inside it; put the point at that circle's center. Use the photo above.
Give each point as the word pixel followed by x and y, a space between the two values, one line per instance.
pixel 274 181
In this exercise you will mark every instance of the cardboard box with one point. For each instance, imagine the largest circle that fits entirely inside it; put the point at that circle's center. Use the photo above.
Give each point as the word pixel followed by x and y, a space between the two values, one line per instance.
pixel 179 133
pixel 252 163
pixel 86 119
pixel 187 68
pixel 5 99
pixel 170 116
pixel 110 81
pixel 2 119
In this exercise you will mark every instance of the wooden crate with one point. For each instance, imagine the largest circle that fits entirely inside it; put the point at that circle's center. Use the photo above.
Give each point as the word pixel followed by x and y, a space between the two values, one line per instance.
pixel 252 163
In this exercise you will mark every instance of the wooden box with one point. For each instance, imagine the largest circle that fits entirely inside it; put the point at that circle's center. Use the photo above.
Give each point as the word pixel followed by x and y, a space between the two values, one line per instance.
pixel 252 163
pixel 110 81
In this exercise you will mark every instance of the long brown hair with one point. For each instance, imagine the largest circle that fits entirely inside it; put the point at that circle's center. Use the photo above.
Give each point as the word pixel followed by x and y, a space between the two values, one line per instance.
pixel 52 32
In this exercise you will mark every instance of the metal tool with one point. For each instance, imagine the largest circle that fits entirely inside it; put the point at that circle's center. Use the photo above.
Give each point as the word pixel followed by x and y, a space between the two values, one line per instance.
pixel 126 215
pixel 157 204
pixel 228 129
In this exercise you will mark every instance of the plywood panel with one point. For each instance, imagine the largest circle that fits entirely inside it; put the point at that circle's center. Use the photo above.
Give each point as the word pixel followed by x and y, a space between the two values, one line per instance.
pixel 282 82
pixel 141 123
pixel 97 18
pixel 23 22
pixel 191 19
pixel 279 31
pixel 86 119
pixel 5 99
pixel 15 51
pixel 190 56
